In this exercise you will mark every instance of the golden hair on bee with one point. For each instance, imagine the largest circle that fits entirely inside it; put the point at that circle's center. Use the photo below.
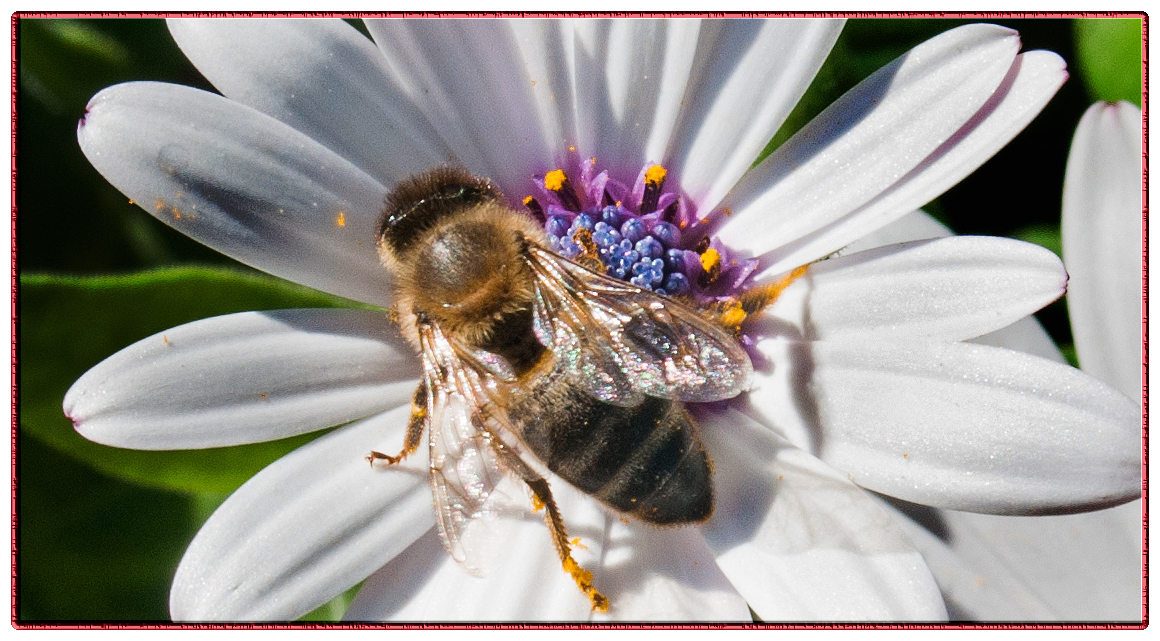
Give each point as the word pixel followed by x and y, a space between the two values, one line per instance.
pixel 454 248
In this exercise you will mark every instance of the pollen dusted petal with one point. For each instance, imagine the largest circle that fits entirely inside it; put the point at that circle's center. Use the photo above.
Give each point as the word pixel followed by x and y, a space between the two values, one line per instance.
pixel 242 183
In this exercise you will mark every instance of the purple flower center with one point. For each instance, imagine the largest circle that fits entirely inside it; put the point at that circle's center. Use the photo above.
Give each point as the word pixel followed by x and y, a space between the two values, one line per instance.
pixel 644 235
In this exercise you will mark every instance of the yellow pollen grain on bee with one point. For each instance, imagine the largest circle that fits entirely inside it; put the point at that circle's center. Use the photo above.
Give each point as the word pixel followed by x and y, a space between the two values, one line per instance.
pixel 537 504
pixel 655 174
pixel 554 180
pixel 340 220
pixel 583 579
pixel 577 544
pixel 734 316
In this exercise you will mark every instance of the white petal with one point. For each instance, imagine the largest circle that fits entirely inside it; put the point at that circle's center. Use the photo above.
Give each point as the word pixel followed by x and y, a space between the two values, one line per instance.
pixel 321 77
pixel 664 574
pixel 527 583
pixel 801 542
pixel 1101 244
pixel 870 138
pixel 950 288
pixel 1024 335
pixel 548 48
pixel 647 573
pixel 470 79
pixel 1033 80
pixel 917 225
pixel 630 79
pixel 959 426
pixel 747 77
pixel 244 378
pixel 306 528
pixel 242 183
pixel 1079 567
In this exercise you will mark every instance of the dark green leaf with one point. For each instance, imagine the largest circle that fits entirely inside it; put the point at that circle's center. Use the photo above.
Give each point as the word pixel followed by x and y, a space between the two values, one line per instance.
pixel 1043 235
pixel 1109 53
pixel 67 325
pixel 333 609
pixel 91 547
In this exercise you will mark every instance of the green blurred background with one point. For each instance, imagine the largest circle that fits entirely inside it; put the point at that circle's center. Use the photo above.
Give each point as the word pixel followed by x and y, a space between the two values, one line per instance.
pixel 100 530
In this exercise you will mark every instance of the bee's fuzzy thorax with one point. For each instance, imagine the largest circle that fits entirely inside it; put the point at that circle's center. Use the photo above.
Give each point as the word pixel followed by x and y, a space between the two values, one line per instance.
pixel 465 271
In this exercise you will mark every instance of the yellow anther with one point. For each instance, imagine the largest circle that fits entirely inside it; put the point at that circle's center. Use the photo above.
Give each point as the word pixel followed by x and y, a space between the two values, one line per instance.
pixel 655 174
pixel 710 259
pixel 554 180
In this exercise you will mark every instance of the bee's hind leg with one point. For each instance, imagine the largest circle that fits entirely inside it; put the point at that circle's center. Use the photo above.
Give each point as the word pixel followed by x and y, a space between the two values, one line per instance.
pixel 414 429
pixel 542 496
pixel 732 312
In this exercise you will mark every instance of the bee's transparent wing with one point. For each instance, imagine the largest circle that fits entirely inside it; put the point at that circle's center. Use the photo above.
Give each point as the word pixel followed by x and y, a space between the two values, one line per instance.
pixel 471 488
pixel 623 342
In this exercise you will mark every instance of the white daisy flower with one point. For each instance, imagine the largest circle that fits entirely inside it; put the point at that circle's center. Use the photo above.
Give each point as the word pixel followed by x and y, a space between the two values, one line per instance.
pixel 862 380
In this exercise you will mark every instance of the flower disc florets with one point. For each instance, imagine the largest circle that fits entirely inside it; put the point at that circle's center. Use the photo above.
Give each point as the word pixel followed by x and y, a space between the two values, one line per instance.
pixel 644 235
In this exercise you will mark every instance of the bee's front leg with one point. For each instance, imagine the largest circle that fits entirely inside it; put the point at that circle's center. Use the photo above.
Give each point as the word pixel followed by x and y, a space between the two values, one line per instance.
pixel 730 313
pixel 414 429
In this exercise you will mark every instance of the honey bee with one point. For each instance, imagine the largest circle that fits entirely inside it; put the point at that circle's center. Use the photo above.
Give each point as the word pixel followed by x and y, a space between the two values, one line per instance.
pixel 523 350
